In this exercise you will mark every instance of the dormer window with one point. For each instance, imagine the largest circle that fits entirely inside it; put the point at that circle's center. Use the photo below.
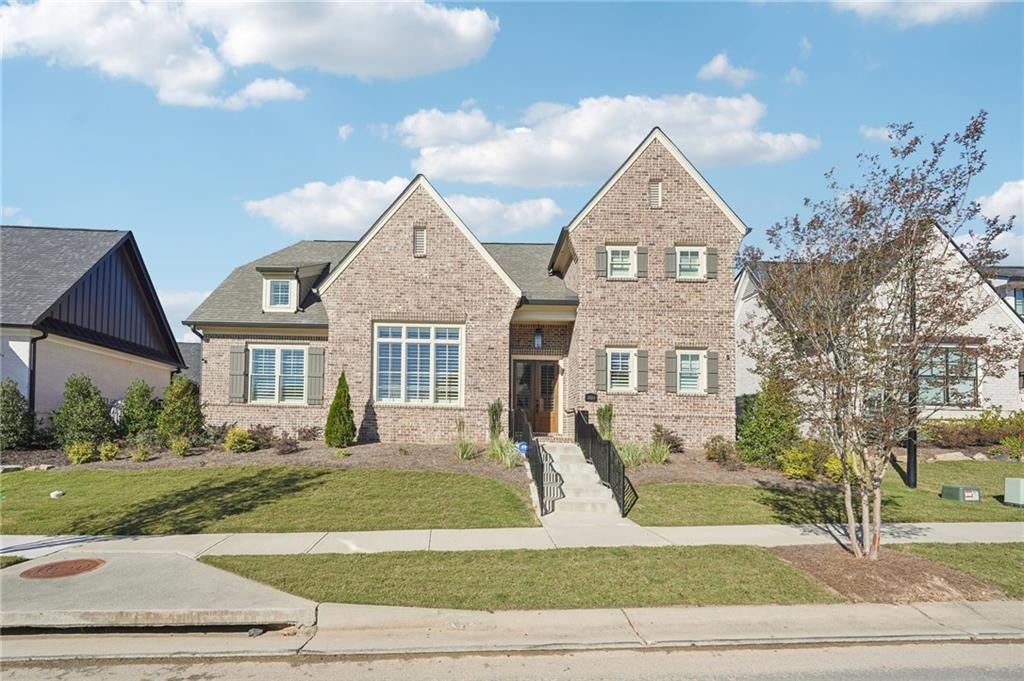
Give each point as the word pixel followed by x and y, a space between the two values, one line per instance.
pixel 279 295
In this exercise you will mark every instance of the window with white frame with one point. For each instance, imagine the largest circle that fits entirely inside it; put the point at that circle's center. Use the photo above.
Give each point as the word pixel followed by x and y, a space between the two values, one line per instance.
pixel 277 374
pixel 690 371
pixel 654 194
pixel 621 262
pixel 418 363
pixel 691 262
pixel 279 294
pixel 621 369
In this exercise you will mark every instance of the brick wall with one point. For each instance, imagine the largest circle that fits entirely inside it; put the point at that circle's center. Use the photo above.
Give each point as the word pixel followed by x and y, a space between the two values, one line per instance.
pixel 555 339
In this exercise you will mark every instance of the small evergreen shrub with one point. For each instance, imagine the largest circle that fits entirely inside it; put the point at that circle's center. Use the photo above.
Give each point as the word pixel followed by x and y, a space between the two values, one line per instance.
pixel 631 453
pixel 340 430
pixel 178 445
pixel 797 463
pixel 722 452
pixel 307 433
pixel 80 452
pixel 668 436
pixel 84 415
pixel 139 408
pixel 744 408
pixel 15 418
pixel 989 428
pixel 182 412
pixel 285 444
pixel 605 416
pixel 214 435
pixel 464 448
pixel 1012 446
pixel 833 468
pixel 139 454
pixel 262 436
pixel 340 453
pixel 772 426
pixel 109 451
pixel 238 440
pixel 147 439
pixel 657 452
pixel 495 411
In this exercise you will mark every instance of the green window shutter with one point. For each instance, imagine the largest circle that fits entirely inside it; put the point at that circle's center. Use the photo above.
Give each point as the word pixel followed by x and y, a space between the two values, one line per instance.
pixel 670 263
pixel 712 263
pixel 601 369
pixel 641 262
pixel 602 262
pixel 641 371
pixel 712 373
pixel 237 370
pixel 315 376
pixel 671 370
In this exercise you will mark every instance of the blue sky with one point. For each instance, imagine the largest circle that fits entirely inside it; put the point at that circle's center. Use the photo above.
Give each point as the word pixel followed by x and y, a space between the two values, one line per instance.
pixel 220 133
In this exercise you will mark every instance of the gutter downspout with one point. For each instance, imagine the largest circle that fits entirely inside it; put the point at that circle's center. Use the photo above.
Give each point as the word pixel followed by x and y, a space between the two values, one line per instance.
pixel 32 371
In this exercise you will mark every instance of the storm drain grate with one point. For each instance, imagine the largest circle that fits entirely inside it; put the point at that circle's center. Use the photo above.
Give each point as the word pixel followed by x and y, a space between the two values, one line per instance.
pixel 63 568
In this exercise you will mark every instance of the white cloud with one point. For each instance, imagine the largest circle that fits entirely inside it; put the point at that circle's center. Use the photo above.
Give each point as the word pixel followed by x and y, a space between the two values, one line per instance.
pixel 178 304
pixel 909 13
pixel 1006 201
pixel 1013 243
pixel 348 207
pixel 566 145
pixel 432 127
pixel 344 132
pixel 720 68
pixel 183 50
pixel 12 216
pixel 805 47
pixel 796 76
pixel 489 217
pixel 879 134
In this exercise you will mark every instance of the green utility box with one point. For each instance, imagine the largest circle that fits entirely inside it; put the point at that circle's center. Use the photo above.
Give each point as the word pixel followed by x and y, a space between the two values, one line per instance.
pixel 967 493
pixel 1014 492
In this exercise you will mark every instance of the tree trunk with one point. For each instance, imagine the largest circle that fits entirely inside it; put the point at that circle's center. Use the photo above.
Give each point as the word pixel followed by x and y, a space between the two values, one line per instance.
pixel 876 519
pixel 851 518
pixel 865 518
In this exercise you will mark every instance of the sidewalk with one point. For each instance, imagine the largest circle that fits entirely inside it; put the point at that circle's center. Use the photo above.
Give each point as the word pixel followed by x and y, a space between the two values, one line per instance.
pixel 550 537
pixel 381 630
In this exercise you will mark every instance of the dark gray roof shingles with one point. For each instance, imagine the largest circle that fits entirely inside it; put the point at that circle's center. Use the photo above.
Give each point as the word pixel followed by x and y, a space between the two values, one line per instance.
pixel 527 264
pixel 38 264
pixel 192 354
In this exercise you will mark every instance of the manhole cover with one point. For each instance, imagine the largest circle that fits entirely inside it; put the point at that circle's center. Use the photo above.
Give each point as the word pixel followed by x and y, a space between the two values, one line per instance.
pixel 63 568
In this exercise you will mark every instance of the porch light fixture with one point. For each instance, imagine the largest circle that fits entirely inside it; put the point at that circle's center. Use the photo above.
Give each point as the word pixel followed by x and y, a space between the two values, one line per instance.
pixel 538 338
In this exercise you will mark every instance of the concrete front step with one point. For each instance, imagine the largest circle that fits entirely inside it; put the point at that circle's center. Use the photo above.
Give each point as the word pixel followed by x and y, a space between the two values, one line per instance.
pixel 606 507
pixel 587 492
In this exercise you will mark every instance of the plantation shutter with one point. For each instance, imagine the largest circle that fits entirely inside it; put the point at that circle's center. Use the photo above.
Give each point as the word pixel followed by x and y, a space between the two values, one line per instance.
pixel 602 262
pixel 237 374
pixel 712 264
pixel 670 263
pixel 641 262
pixel 315 376
pixel 671 377
pixel 601 369
pixel 712 373
pixel 641 371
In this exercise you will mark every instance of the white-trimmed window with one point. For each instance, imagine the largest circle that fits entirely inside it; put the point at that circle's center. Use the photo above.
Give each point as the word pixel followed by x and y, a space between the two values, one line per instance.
pixel 691 369
pixel 279 295
pixel 418 363
pixel 621 262
pixel 654 194
pixel 277 373
pixel 621 369
pixel 691 262
pixel 419 241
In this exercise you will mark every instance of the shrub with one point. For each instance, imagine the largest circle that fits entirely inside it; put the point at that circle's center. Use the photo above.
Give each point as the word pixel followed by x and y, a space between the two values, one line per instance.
pixel 340 430
pixel 178 445
pixel 42 436
pixel 15 418
pixel 307 433
pixel 238 440
pixel 84 415
pixel 139 409
pixel 989 428
pixel 657 452
pixel 744 408
pixel 605 416
pixel 668 436
pixel 833 469
pixel 182 413
pixel 285 444
pixel 80 452
pixel 139 454
pixel 807 460
pixel 262 436
pixel 464 448
pixel 147 439
pixel 495 410
pixel 109 451
pixel 340 453
pixel 214 435
pixel 631 454
pixel 722 452
pixel 1012 446
pixel 771 428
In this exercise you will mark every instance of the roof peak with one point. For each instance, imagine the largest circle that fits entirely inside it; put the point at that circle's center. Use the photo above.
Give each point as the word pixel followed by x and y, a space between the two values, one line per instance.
pixel 67 229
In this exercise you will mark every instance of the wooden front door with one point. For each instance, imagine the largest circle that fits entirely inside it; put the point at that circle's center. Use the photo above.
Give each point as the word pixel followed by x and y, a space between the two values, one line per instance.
pixel 535 383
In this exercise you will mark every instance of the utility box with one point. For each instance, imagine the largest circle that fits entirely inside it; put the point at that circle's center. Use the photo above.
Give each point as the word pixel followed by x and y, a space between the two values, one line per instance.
pixel 966 493
pixel 1013 493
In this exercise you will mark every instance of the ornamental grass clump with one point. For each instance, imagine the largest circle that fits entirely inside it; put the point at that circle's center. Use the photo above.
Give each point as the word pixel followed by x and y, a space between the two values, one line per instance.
pixel 605 416
pixel 464 448
pixel 631 453
pixel 657 452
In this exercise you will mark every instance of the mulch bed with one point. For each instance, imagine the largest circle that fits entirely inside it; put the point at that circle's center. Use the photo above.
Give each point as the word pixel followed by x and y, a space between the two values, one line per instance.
pixel 694 467
pixel 896 577
pixel 413 457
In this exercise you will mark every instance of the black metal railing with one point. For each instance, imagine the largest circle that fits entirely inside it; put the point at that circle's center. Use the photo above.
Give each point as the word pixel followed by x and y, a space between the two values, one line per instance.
pixel 606 461
pixel 546 479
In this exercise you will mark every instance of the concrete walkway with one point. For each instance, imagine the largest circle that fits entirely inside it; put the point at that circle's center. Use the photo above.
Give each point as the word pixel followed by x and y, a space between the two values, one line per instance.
pixel 554 535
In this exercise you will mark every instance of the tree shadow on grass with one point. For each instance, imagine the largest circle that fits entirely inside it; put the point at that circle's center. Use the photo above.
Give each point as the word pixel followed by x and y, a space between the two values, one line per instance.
pixel 195 508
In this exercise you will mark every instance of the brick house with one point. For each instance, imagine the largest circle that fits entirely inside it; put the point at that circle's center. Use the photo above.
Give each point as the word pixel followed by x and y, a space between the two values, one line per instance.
pixel 632 306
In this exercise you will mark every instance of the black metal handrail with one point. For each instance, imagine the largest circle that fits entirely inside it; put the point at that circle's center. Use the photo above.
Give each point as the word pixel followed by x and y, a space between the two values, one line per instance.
pixel 606 461
pixel 546 479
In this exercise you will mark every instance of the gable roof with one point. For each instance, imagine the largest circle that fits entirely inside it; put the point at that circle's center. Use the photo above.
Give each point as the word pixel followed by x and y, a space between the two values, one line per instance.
pixel 418 182
pixel 192 355
pixel 527 265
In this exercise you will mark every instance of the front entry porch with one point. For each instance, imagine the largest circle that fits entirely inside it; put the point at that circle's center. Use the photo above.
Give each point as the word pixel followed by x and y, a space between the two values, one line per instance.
pixel 536 388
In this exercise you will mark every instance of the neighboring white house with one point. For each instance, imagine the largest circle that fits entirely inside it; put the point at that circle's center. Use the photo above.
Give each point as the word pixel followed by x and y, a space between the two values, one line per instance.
pixel 999 295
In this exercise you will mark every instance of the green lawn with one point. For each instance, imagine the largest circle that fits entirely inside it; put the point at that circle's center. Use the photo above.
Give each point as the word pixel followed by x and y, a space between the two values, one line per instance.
pixel 693 504
pixel 1000 564
pixel 543 579
pixel 254 499
pixel 8 561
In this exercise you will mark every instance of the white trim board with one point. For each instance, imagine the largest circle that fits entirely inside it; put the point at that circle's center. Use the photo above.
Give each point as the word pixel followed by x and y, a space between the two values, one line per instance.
pixel 418 182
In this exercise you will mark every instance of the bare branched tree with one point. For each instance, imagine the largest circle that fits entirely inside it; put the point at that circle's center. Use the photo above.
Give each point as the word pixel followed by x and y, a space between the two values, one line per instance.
pixel 877 311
